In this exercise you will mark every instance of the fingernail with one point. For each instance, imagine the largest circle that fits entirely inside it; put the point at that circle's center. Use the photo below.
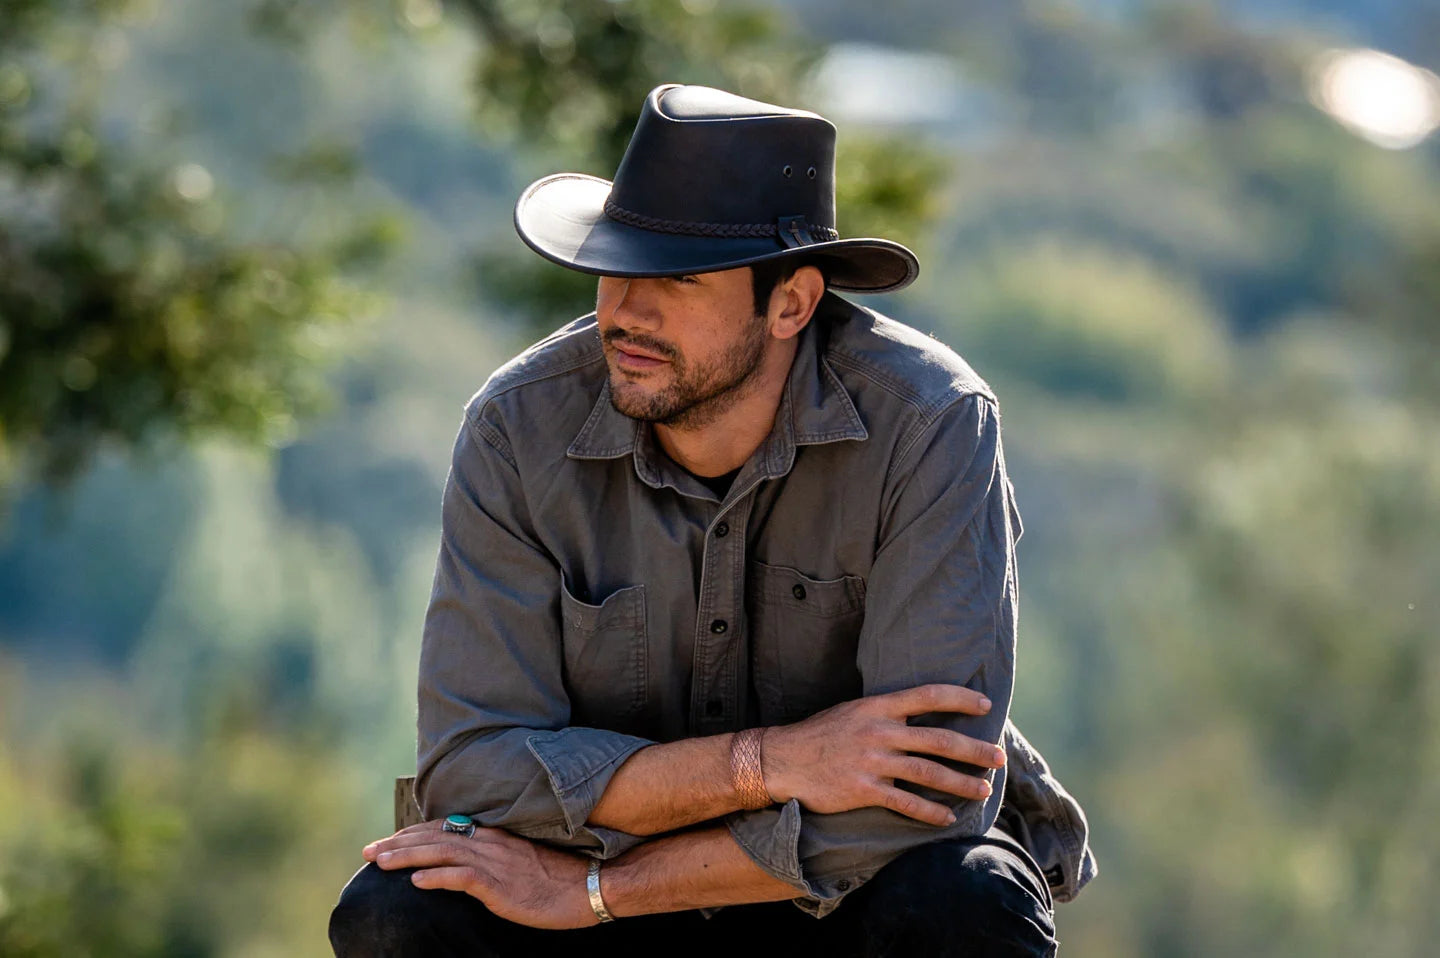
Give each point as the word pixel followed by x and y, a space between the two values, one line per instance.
pixel 950 819
pixel 984 790
pixel 385 856
pixel 1000 756
pixel 985 704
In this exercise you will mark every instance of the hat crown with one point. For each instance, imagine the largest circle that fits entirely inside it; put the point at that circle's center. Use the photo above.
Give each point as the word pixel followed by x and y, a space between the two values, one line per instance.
pixel 700 155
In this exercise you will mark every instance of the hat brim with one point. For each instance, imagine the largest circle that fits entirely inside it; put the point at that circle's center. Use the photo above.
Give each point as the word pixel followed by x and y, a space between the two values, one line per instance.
pixel 562 217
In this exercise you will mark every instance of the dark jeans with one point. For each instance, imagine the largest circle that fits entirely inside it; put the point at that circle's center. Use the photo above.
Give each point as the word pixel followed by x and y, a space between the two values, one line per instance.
pixel 977 897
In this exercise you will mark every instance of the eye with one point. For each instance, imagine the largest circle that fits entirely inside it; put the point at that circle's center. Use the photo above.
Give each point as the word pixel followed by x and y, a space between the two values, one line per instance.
pixel 687 280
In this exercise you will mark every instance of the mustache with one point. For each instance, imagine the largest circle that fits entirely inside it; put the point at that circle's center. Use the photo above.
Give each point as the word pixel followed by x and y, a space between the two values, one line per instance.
pixel 618 337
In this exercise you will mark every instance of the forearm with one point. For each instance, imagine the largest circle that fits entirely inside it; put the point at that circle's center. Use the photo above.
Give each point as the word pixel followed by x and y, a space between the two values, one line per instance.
pixel 664 787
pixel 700 869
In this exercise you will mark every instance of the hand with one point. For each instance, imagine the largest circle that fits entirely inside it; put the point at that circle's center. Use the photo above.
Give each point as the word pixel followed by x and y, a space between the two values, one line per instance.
pixel 850 755
pixel 517 879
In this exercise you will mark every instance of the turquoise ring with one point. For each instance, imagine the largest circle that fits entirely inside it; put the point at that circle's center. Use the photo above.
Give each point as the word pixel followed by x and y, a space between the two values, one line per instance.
pixel 460 825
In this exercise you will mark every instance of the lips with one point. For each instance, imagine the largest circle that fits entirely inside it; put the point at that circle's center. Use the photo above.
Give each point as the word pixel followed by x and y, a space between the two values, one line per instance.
pixel 636 357
pixel 639 353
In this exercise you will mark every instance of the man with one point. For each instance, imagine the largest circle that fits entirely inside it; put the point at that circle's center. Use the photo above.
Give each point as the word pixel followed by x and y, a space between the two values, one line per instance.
pixel 724 614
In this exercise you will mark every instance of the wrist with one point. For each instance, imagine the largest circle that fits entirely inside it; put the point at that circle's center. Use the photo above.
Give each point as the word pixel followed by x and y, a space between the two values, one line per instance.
pixel 594 893
pixel 774 769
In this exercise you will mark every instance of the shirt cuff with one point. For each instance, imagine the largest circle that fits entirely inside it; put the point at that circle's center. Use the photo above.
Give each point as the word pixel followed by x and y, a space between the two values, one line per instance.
pixel 579 763
pixel 771 837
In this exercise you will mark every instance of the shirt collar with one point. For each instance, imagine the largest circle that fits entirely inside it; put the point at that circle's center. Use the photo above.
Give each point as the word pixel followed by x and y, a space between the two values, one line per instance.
pixel 814 408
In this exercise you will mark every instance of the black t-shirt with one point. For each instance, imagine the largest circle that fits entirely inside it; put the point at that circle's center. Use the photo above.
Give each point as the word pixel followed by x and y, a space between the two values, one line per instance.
pixel 718 484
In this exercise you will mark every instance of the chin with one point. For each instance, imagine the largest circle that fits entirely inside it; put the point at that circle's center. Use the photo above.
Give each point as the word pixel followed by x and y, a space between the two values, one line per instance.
pixel 629 401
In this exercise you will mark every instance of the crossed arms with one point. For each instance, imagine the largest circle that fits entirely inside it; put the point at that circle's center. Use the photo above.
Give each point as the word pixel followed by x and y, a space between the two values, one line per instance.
pixel 844 758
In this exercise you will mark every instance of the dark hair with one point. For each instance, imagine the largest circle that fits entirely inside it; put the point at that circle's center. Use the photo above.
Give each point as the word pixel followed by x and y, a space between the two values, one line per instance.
pixel 767 274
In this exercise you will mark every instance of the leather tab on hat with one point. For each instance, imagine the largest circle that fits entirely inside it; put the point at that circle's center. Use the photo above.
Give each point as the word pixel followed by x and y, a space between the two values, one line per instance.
pixel 795 232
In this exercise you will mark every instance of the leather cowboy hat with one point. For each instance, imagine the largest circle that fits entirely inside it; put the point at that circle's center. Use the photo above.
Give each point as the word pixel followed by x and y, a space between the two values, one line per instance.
pixel 710 181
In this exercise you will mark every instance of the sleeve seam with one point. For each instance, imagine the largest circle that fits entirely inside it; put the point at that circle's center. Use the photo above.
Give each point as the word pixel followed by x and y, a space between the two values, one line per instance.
pixel 482 431
pixel 924 425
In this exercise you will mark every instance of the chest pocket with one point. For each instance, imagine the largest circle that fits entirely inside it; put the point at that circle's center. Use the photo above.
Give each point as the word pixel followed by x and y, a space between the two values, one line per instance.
pixel 803 635
pixel 606 656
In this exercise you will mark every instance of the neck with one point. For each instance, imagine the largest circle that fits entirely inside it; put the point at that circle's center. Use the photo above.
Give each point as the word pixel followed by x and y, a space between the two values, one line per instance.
pixel 724 443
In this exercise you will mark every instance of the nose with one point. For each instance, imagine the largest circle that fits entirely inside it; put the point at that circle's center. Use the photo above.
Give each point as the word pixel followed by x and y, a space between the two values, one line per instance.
pixel 622 302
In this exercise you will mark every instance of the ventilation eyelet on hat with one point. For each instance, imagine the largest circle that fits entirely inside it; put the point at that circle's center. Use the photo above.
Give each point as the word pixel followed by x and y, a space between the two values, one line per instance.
pixel 787 171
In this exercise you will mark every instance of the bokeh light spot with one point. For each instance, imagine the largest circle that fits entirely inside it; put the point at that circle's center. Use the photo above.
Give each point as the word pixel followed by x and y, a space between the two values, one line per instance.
pixel 193 182
pixel 421 14
pixel 1391 103
pixel 556 35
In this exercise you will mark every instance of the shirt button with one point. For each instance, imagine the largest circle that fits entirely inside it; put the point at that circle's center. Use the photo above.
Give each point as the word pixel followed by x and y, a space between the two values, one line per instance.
pixel 844 883
pixel 798 592
pixel 719 626
pixel 714 708
pixel 722 530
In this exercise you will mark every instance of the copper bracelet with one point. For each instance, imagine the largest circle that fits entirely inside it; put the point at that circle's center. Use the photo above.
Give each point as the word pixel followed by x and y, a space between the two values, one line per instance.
pixel 747 768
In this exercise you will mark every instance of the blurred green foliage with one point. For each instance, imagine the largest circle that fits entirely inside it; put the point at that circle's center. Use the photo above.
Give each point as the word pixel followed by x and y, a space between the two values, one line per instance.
pixel 1209 312
pixel 175 849
pixel 127 312
pixel 565 77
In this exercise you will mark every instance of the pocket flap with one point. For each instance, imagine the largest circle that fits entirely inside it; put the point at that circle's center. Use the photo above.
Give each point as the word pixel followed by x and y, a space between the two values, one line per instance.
pixel 623 607
pixel 795 591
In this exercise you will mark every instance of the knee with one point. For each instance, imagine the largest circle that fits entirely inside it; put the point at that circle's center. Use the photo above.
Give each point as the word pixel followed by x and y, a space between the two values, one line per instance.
pixel 983 887
pixel 379 913
pixel 966 899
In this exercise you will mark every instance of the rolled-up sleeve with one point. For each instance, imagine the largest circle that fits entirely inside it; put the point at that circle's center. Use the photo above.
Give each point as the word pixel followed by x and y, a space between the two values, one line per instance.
pixel 494 739
pixel 941 606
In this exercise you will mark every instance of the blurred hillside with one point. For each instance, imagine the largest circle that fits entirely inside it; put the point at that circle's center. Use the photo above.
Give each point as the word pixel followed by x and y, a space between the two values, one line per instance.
pixel 1208 307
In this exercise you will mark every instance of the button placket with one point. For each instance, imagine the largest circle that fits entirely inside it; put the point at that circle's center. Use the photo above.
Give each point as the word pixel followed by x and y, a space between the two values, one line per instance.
pixel 717 626
pixel 733 671
pixel 703 694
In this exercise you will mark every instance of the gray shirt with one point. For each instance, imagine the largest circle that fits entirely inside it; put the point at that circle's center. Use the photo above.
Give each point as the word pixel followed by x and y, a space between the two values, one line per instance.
pixel 591 597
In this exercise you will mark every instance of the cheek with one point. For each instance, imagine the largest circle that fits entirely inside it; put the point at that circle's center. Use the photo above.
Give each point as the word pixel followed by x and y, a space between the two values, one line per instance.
pixel 604 300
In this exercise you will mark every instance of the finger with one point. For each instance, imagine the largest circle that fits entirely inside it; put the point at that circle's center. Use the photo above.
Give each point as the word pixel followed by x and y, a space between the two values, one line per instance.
pixel 424 828
pixel 452 878
pixel 935 698
pixel 922 771
pixel 408 839
pixel 944 742
pixel 913 806
pixel 422 856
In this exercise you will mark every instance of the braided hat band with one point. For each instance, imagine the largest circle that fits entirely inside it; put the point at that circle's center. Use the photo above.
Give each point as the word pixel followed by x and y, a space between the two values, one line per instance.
pixel 726 230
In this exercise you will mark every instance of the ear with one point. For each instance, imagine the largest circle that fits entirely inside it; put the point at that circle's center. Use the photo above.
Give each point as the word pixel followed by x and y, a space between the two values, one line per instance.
pixel 793 302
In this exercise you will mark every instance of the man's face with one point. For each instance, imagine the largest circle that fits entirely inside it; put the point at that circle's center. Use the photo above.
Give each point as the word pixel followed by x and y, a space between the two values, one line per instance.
pixel 682 350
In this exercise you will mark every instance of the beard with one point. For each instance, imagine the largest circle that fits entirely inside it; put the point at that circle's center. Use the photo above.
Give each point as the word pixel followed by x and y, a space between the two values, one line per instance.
pixel 699 392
